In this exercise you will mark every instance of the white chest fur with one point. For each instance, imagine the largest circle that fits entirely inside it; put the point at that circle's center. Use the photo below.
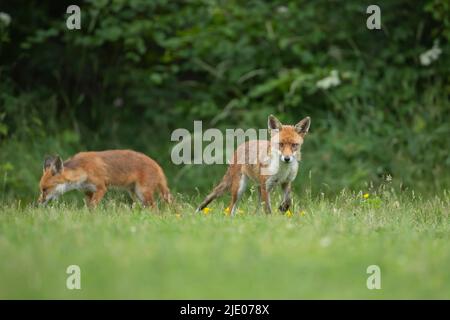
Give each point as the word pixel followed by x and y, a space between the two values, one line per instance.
pixel 282 172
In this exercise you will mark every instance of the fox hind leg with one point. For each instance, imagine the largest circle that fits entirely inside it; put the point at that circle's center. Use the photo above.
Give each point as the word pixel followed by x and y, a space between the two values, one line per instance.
pixel 238 187
pixel 148 199
pixel 258 204
pixel 145 194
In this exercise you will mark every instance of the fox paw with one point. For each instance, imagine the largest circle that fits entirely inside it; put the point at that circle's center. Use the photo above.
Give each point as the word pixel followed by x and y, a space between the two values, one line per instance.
pixel 284 206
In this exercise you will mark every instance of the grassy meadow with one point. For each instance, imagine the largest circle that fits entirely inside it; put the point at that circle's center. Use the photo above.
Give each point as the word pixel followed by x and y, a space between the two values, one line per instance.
pixel 321 249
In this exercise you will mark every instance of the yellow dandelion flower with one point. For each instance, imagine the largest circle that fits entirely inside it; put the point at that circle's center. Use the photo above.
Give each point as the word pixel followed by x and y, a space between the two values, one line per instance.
pixel 302 213
pixel 227 211
pixel 288 213
pixel 366 196
pixel 206 211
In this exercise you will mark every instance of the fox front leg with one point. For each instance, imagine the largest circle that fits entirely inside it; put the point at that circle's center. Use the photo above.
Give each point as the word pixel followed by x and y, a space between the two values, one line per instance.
pixel 287 201
pixel 96 196
pixel 265 196
pixel 258 204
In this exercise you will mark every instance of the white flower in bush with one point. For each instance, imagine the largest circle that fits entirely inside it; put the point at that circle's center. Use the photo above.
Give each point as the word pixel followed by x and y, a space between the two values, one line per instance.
pixel 331 81
pixel 283 9
pixel 5 18
pixel 431 55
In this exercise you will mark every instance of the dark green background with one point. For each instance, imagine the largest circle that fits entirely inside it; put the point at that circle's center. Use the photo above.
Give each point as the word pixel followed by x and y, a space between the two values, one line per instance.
pixel 139 69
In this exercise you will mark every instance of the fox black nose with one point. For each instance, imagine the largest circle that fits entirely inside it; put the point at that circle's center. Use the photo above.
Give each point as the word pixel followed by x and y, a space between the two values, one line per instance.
pixel 287 158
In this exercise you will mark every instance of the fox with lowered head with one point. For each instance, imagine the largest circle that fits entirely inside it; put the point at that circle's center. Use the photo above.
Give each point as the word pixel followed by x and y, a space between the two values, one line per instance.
pixel 96 171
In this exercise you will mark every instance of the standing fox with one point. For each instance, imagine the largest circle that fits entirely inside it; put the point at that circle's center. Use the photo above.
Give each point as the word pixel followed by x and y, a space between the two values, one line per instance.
pixel 268 163
pixel 95 172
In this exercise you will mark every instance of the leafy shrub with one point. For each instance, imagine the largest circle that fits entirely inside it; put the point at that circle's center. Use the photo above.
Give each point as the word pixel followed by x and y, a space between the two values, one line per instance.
pixel 139 69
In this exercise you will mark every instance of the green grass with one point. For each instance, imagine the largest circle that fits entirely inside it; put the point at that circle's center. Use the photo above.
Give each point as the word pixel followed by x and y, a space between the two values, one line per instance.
pixel 130 252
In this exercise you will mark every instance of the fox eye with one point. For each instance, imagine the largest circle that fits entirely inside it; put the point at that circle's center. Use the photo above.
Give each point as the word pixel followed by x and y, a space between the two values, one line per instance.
pixel 281 145
pixel 295 145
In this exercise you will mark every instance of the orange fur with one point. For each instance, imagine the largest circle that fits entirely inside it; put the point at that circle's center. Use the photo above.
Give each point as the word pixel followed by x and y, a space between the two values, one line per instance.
pixel 95 172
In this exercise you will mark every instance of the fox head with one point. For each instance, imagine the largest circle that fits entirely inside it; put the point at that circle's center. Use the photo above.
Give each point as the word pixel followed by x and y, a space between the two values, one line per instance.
pixel 287 140
pixel 52 179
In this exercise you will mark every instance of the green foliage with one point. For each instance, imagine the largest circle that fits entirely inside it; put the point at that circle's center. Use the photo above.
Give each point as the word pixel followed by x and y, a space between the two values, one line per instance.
pixel 139 69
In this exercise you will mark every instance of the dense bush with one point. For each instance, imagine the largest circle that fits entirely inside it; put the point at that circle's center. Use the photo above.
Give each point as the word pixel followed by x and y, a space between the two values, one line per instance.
pixel 139 69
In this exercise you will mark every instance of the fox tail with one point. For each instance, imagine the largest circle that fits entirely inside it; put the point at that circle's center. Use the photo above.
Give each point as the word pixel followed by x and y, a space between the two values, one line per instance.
pixel 218 190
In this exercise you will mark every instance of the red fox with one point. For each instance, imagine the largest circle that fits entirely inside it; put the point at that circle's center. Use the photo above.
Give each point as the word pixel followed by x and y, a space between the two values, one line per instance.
pixel 95 172
pixel 268 163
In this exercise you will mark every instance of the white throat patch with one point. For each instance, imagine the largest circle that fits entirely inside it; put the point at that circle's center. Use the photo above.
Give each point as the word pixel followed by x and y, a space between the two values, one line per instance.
pixel 280 171
pixel 65 187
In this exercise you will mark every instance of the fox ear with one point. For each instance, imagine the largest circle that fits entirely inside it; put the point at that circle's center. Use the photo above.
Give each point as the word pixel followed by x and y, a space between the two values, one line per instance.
pixel 303 126
pixel 48 162
pixel 58 164
pixel 273 123
pixel 54 163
